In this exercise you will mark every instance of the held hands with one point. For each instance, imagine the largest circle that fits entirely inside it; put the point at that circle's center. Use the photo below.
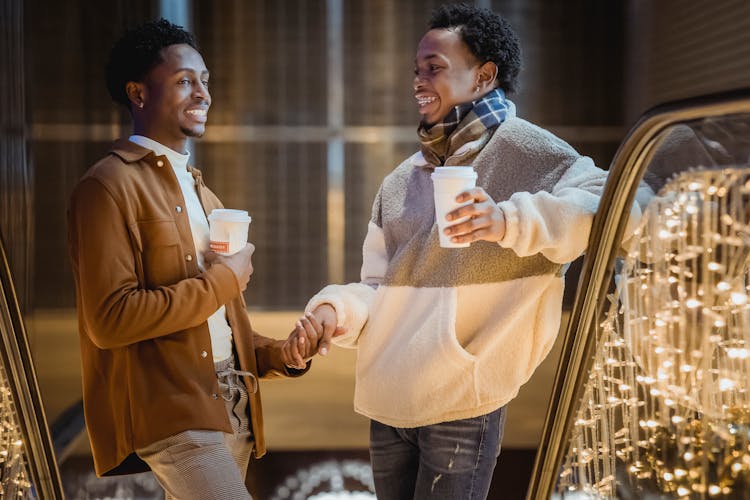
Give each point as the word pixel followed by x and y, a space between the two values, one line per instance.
pixel 312 333
pixel 486 220
pixel 241 263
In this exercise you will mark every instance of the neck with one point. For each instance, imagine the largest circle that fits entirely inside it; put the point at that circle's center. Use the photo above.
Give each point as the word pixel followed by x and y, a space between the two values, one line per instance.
pixel 178 144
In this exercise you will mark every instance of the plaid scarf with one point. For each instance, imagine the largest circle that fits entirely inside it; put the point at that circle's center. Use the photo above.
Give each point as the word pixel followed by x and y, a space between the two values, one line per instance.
pixel 473 122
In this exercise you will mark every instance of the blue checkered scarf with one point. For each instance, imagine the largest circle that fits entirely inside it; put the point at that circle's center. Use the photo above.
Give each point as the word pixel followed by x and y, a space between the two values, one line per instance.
pixel 472 123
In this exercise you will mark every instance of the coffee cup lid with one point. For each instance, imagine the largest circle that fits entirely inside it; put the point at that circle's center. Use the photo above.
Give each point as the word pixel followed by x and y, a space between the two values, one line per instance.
pixel 454 172
pixel 229 214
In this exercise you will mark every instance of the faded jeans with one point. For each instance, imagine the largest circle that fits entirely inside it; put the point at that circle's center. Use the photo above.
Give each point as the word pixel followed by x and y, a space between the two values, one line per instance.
pixel 449 460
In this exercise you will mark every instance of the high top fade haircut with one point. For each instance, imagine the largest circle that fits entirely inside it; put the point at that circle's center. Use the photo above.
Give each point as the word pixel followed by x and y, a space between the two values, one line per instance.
pixel 488 36
pixel 139 50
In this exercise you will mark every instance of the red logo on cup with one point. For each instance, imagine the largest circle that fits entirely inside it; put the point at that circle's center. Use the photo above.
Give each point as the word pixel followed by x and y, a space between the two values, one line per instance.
pixel 219 246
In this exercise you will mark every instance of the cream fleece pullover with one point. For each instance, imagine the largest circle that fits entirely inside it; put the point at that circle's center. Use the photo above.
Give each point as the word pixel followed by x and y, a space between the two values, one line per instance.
pixel 445 334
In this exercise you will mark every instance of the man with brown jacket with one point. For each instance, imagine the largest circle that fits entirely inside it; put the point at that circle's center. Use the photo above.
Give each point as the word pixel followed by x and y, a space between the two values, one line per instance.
pixel 170 362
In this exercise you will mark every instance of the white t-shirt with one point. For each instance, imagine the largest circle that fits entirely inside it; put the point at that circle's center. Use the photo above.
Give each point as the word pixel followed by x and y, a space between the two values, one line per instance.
pixel 221 333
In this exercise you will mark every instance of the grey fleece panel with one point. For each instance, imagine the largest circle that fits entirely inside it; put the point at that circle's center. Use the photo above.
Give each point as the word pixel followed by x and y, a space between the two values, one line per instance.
pixel 519 157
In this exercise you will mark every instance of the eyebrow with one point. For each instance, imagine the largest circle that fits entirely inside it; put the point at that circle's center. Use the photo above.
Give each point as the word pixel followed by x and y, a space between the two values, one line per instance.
pixel 191 70
pixel 428 57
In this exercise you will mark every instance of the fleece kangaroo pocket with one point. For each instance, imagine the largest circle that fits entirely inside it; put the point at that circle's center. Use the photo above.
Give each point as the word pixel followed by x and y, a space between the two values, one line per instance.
pixel 409 359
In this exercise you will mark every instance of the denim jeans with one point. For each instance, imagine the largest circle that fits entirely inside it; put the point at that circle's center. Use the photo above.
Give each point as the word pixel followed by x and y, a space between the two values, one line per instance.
pixel 449 460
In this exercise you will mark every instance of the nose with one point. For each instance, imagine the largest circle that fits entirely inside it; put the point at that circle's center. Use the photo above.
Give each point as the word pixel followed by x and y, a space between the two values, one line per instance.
pixel 200 91
pixel 417 83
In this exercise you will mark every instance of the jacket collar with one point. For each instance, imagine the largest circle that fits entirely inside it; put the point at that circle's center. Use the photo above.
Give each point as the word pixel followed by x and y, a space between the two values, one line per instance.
pixel 131 152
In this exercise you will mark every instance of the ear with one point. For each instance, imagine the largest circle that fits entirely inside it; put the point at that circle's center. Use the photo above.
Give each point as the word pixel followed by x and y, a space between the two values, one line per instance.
pixel 487 75
pixel 136 92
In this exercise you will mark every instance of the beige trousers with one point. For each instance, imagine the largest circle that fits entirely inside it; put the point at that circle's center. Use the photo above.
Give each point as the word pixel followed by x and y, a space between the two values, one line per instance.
pixel 202 464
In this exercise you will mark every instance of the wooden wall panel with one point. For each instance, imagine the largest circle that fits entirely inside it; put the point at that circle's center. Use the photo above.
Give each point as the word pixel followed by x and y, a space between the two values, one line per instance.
pixel 15 170
pixel 679 49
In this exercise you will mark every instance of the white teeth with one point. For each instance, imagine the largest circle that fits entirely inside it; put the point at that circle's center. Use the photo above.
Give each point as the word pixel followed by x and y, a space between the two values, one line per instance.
pixel 422 101
pixel 198 112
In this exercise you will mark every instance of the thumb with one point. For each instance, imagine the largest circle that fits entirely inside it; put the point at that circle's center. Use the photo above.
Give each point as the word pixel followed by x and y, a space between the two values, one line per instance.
pixel 209 257
pixel 328 334
pixel 325 341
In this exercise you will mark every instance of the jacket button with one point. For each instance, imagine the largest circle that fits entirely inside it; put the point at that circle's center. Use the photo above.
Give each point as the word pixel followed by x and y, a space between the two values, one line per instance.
pixel 159 163
pixel 178 209
pixel 188 257
pixel 204 354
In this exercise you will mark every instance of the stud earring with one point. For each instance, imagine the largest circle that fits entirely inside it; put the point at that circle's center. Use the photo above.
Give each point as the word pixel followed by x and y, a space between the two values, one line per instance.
pixel 476 90
pixel 140 104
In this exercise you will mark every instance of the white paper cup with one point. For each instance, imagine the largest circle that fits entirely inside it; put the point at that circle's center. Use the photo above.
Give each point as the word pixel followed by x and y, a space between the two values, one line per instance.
pixel 228 230
pixel 449 182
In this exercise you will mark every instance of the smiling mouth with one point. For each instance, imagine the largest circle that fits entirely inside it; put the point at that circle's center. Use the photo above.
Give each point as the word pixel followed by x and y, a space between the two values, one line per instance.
pixel 198 115
pixel 423 100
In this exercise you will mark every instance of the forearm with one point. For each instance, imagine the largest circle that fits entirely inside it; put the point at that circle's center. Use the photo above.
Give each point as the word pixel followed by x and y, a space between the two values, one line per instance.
pixel 352 305
pixel 268 353
pixel 556 224
pixel 119 314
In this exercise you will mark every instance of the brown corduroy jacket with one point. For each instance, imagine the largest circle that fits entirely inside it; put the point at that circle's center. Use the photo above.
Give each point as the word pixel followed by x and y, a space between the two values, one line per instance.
pixel 147 366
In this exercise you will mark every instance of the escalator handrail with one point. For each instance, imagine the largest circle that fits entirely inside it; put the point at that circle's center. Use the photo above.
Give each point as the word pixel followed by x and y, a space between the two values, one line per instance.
pixel 626 171
pixel 22 381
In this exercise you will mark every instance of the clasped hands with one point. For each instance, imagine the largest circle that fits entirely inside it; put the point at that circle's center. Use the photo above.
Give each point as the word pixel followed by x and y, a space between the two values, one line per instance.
pixel 312 335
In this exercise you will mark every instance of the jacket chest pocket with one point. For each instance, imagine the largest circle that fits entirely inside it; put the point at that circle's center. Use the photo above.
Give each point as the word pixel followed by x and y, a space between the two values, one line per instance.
pixel 161 252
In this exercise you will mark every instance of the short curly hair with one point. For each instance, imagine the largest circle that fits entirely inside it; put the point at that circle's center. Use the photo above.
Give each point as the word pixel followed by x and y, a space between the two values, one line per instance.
pixel 488 36
pixel 139 50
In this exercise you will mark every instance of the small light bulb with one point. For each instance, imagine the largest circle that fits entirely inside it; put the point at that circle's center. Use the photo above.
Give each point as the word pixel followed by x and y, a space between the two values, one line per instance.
pixel 693 303
pixel 739 298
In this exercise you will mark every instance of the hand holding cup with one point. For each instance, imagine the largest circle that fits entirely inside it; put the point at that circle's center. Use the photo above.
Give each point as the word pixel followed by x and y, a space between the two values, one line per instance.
pixel 447 183
pixel 241 263
pixel 478 218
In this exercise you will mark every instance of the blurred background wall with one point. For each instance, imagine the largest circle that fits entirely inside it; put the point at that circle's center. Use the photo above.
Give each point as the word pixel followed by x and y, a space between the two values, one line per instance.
pixel 312 106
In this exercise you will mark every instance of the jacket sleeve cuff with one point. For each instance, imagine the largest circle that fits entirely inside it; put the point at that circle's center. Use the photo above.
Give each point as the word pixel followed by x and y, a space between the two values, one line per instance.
pixel 295 372
pixel 271 364
pixel 333 301
pixel 351 303
pixel 223 283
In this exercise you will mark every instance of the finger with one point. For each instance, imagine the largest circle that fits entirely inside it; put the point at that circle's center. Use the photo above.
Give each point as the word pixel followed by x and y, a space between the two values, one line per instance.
pixel 298 357
pixel 467 227
pixel 286 354
pixel 475 194
pixel 325 342
pixel 464 211
pixel 329 331
pixel 479 234
pixel 312 335
pixel 469 231
pixel 472 210
pixel 299 360
pixel 315 323
pixel 340 330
